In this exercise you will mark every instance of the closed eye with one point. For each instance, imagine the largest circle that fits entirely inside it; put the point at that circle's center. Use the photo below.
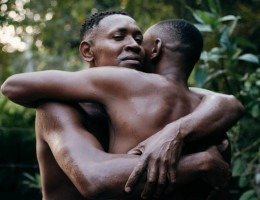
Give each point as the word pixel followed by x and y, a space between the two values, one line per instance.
pixel 139 40
pixel 118 37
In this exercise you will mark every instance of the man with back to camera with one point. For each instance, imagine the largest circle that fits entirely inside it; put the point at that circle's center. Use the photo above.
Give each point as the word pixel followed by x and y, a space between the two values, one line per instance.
pixel 123 61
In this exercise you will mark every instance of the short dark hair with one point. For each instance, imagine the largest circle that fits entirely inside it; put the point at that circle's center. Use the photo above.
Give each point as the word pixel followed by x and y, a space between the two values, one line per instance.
pixel 94 19
pixel 189 37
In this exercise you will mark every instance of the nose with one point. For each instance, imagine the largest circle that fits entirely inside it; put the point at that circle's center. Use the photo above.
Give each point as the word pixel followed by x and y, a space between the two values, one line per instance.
pixel 132 45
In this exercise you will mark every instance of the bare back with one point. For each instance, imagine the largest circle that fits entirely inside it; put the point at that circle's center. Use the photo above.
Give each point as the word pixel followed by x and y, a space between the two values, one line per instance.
pixel 139 104
pixel 145 109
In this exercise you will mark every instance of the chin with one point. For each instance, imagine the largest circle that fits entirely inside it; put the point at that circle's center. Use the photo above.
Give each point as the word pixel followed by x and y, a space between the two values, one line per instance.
pixel 133 66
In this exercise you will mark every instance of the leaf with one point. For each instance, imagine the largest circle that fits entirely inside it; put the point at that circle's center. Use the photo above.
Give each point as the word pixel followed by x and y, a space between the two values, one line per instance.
pixel 207 17
pixel 233 25
pixel 200 76
pixel 257 178
pixel 249 58
pixel 214 75
pixel 243 181
pixel 224 39
pixel 203 27
pixel 255 111
pixel 214 6
pixel 248 195
pixel 238 167
pixel 228 18
pixel 197 17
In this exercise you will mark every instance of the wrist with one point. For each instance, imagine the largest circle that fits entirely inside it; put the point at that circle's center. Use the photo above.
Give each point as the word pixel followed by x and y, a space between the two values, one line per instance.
pixel 184 130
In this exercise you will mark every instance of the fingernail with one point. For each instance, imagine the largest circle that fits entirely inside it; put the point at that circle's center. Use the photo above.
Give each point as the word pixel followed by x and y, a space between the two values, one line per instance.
pixel 128 189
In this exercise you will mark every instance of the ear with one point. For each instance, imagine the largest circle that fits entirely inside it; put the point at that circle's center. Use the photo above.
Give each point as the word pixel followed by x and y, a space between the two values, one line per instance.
pixel 157 48
pixel 85 51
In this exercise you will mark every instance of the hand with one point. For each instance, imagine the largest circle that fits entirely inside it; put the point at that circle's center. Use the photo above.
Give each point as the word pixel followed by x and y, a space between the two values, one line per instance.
pixel 217 172
pixel 159 156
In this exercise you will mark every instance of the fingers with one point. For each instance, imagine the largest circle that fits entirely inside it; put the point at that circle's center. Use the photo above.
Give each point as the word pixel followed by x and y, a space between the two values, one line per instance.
pixel 173 164
pixel 172 175
pixel 152 177
pixel 135 175
pixel 161 181
pixel 135 151
pixel 223 145
pixel 138 150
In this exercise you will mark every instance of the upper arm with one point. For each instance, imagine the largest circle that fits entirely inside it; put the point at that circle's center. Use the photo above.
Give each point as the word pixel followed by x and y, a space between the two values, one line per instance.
pixel 80 155
pixel 74 149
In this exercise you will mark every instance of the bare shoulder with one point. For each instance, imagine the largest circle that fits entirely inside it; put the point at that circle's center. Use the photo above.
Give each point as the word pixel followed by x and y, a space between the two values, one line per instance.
pixel 55 117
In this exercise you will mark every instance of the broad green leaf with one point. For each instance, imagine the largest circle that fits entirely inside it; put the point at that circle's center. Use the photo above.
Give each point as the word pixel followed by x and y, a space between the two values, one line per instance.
pixel 249 58
pixel 207 17
pixel 203 27
pixel 248 195
pixel 198 17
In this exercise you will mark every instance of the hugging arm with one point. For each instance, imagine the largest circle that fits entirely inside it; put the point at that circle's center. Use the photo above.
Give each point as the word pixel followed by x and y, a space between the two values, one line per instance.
pixel 93 171
pixel 79 154
pixel 160 153
pixel 95 84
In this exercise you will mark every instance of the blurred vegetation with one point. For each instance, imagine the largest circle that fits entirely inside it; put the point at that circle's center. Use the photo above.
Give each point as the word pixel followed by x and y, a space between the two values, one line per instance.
pixel 40 35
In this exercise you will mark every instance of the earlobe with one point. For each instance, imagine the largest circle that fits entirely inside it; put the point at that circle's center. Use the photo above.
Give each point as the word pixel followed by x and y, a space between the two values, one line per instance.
pixel 157 48
pixel 85 51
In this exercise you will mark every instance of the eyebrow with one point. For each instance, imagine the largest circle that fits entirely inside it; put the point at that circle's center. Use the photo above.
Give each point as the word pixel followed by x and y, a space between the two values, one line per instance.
pixel 123 30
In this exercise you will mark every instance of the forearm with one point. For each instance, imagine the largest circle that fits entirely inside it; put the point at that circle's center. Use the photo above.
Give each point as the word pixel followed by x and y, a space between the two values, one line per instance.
pixel 94 84
pixel 28 89
pixel 110 183
pixel 214 116
pixel 109 176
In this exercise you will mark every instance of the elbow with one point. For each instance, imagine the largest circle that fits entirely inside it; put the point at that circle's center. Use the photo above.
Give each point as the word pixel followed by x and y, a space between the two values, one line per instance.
pixel 89 192
pixel 14 89
pixel 92 192
pixel 231 104
pixel 91 187
pixel 238 108
pixel 8 89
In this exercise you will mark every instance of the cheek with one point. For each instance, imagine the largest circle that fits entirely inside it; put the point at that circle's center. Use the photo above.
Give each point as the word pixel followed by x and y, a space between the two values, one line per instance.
pixel 106 57
pixel 107 53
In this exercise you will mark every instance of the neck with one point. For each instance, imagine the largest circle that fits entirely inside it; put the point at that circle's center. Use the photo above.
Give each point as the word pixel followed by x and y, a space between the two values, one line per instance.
pixel 171 70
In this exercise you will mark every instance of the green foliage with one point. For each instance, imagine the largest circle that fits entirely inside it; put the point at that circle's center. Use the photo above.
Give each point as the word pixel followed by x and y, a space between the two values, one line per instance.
pixel 32 181
pixel 226 67
pixel 48 36
pixel 248 195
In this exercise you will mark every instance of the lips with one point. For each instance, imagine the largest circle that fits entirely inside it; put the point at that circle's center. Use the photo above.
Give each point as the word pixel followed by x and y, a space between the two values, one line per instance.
pixel 131 61
pixel 134 58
